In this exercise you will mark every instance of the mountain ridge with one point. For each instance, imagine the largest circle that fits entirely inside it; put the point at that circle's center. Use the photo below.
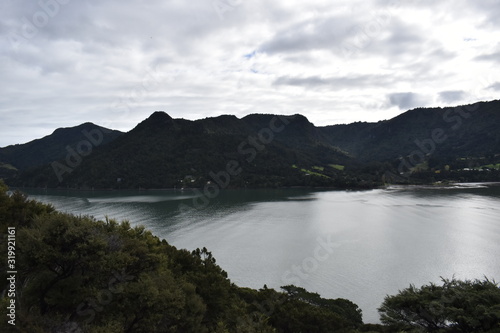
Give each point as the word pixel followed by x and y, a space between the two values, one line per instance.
pixel 276 150
pixel 461 123
pixel 53 146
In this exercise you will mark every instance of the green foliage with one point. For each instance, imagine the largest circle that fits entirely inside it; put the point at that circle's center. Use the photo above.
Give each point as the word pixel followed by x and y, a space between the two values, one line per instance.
pixel 15 206
pixel 342 307
pixel 338 167
pixel 454 306
pixel 303 311
pixel 297 310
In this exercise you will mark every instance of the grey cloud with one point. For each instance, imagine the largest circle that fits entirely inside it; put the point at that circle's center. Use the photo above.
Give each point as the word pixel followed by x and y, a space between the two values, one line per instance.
pixel 295 81
pixel 339 34
pixel 312 34
pixel 407 100
pixel 495 57
pixel 407 43
pixel 338 83
pixel 495 86
pixel 143 25
pixel 403 35
pixel 452 96
pixel 378 34
pixel 490 9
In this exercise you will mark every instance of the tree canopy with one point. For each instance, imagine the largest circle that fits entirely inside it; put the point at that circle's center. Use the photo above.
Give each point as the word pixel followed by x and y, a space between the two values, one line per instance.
pixel 455 306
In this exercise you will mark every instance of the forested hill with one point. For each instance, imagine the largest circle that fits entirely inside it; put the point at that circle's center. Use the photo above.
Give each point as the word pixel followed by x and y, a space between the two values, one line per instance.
pixel 162 152
pixel 462 131
pixel 53 147
pixel 264 150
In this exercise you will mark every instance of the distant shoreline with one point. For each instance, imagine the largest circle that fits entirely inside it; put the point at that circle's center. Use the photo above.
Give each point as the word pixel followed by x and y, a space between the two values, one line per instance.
pixel 450 185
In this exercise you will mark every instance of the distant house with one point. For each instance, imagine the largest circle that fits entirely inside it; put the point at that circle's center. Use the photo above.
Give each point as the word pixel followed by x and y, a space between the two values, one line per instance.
pixel 189 178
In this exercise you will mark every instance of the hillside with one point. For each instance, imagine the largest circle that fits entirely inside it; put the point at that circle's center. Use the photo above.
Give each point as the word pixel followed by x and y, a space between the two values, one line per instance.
pixel 467 131
pixel 161 152
pixel 265 150
pixel 53 147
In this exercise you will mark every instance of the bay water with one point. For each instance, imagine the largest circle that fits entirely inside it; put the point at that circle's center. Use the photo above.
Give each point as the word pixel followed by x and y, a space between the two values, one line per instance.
pixel 358 245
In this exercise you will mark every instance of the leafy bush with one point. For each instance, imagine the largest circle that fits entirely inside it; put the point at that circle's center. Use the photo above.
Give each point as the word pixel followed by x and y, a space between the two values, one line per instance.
pixel 454 306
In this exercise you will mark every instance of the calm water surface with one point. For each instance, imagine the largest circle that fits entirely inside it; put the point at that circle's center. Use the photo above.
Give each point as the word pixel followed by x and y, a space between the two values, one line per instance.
pixel 355 245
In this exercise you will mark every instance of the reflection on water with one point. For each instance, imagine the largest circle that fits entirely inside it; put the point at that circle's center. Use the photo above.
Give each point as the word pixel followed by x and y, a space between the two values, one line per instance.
pixel 355 245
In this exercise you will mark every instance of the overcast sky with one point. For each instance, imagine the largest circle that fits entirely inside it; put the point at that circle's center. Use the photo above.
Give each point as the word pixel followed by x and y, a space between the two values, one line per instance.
pixel 113 63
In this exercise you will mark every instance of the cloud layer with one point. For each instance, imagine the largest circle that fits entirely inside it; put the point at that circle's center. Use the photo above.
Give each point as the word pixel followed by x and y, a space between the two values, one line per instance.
pixel 65 62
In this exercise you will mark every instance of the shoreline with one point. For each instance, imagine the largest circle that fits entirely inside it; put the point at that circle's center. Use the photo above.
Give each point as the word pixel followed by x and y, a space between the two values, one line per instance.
pixel 449 185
